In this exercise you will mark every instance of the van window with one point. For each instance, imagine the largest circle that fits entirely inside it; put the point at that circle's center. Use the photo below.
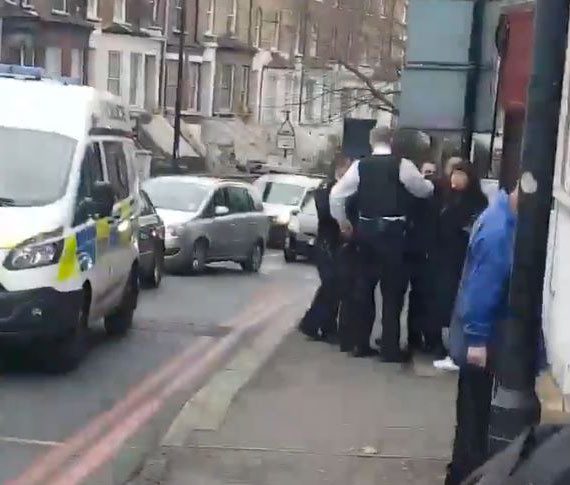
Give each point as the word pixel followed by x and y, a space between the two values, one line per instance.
pixel 117 168
pixel 91 172
pixel 239 200
pixel 218 199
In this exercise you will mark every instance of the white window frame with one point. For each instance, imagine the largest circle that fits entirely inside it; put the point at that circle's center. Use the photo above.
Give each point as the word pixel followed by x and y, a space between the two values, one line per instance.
pixel 194 69
pixel 314 41
pixel 229 108
pixel 258 27
pixel 136 78
pixel 119 77
pixel 120 17
pixel 155 11
pixel 244 86
pixel 231 19
pixel 93 9
pixel 211 16
pixel 277 29
pixel 63 11
pixel 310 100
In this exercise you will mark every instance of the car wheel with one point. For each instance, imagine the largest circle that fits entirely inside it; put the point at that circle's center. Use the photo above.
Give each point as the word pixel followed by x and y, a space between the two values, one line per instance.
pixel 254 260
pixel 154 277
pixel 67 351
pixel 199 256
pixel 118 323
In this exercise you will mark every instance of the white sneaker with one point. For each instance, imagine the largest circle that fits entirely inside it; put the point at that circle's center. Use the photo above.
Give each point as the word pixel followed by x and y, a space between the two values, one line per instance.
pixel 446 364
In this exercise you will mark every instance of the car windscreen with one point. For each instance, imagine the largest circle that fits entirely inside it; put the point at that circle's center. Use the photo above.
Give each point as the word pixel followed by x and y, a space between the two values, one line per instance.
pixel 34 166
pixel 282 193
pixel 176 194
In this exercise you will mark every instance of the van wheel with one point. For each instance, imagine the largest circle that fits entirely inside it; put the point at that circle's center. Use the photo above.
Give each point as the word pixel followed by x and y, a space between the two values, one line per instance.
pixel 253 262
pixel 199 256
pixel 118 323
pixel 67 351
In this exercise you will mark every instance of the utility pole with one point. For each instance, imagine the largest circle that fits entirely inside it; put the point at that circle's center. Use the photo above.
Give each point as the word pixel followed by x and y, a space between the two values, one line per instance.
pixel 515 405
pixel 178 104
pixel 303 42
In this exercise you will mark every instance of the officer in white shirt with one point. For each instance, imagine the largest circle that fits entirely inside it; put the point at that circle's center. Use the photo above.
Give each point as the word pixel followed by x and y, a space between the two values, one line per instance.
pixel 383 184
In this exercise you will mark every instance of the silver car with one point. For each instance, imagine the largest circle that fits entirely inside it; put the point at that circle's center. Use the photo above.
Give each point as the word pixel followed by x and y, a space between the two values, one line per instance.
pixel 208 220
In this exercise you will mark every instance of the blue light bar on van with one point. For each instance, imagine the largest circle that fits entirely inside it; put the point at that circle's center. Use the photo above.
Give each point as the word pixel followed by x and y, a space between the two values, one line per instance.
pixel 25 72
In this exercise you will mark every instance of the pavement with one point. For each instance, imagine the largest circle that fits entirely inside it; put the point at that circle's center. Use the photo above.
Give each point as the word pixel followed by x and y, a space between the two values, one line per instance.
pixel 311 415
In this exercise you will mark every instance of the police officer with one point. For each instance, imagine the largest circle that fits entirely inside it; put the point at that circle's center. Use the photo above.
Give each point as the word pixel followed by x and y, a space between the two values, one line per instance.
pixel 320 320
pixel 384 184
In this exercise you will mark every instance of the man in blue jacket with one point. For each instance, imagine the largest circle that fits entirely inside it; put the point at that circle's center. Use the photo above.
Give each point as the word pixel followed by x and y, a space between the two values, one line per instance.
pixel 481 305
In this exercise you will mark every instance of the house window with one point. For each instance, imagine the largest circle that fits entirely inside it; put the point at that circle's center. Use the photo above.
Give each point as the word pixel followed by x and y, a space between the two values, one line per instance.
pixel 231 20
pixel 258 28
pixel 382 8
pixel 171 82
pixel 120 11
pixel 178 15
pixel 334 40
pixel 76 64
pixel 92 9
pixel 59 6
pixel 135 87
pixel 310 85
pixel 210 16
pixel 114 73
pixel 155 11
pixel 314 41
pixel 226 87
pixel 244 87
pixel 193 85
pixel 277 29
pixel 53 61
pixel 349 46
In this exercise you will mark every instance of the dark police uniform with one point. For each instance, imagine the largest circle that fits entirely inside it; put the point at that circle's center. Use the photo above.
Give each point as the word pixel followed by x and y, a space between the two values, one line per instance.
pixel 383 203
pixel 320 319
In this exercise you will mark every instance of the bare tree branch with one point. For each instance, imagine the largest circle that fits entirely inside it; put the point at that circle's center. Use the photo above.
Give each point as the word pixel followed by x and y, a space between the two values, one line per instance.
pixel 369 84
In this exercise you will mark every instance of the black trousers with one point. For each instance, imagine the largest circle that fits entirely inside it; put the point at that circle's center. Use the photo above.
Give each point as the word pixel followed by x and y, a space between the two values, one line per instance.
pixel 320 320
pixel 381 259
pixel 470 447
pixel 347 258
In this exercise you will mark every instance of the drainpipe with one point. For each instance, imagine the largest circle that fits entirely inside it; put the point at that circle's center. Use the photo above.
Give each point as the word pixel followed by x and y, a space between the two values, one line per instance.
pixel 260 94
pixel 179 86
pixel 515 405
pixel 162 80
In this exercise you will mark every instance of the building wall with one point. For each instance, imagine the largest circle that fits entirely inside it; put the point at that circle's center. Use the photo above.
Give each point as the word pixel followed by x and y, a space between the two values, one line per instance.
pixel 557 280
pixel 37 36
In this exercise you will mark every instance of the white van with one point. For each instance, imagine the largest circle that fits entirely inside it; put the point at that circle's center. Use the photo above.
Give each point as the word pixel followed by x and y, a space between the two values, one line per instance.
pixel 68 213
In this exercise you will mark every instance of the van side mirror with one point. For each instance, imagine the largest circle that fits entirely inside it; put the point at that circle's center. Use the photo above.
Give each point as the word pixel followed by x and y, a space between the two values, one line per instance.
pixel 221 210
pixel 103 198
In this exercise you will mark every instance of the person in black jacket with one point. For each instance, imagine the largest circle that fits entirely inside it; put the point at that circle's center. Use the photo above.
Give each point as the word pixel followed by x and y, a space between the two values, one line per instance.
pixel 462 202
pixel 320 320
pixel 420 244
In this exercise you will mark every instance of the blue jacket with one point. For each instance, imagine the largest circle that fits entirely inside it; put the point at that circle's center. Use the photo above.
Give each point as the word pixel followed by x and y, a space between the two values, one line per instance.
pixel 482 299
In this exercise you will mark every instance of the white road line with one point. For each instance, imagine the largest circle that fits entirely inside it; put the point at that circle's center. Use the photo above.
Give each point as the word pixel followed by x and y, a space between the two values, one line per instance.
pixel 24 441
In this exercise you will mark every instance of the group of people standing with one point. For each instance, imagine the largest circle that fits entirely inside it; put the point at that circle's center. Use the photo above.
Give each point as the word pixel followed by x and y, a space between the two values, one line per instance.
pixel 385 221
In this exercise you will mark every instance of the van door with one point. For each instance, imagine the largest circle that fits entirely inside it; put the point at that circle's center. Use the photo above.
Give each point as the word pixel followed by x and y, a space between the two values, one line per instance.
pixel 91 232
pixel 122 222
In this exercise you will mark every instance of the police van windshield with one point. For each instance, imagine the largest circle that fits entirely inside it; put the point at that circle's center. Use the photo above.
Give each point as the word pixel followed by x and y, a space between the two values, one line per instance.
pixel 283 194
pixel 34 166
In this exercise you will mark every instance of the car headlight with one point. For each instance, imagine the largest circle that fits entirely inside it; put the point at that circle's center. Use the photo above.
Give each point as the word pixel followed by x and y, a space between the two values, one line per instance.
pixel 175 230
pixel 283 219
pixel 34 256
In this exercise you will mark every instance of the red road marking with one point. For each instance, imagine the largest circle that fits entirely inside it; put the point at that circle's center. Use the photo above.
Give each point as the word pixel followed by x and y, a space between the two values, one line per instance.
pixel 49 463
pixel 195 376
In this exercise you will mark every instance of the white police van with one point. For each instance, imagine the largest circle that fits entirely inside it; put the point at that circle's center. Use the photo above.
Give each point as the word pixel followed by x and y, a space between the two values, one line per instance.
pixel 68 213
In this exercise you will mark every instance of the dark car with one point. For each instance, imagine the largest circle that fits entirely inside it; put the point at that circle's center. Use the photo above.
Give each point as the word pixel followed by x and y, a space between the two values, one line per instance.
pixel 151 244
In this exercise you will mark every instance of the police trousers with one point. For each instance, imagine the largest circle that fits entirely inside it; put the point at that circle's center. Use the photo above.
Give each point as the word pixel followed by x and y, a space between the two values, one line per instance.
pixel 380 259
